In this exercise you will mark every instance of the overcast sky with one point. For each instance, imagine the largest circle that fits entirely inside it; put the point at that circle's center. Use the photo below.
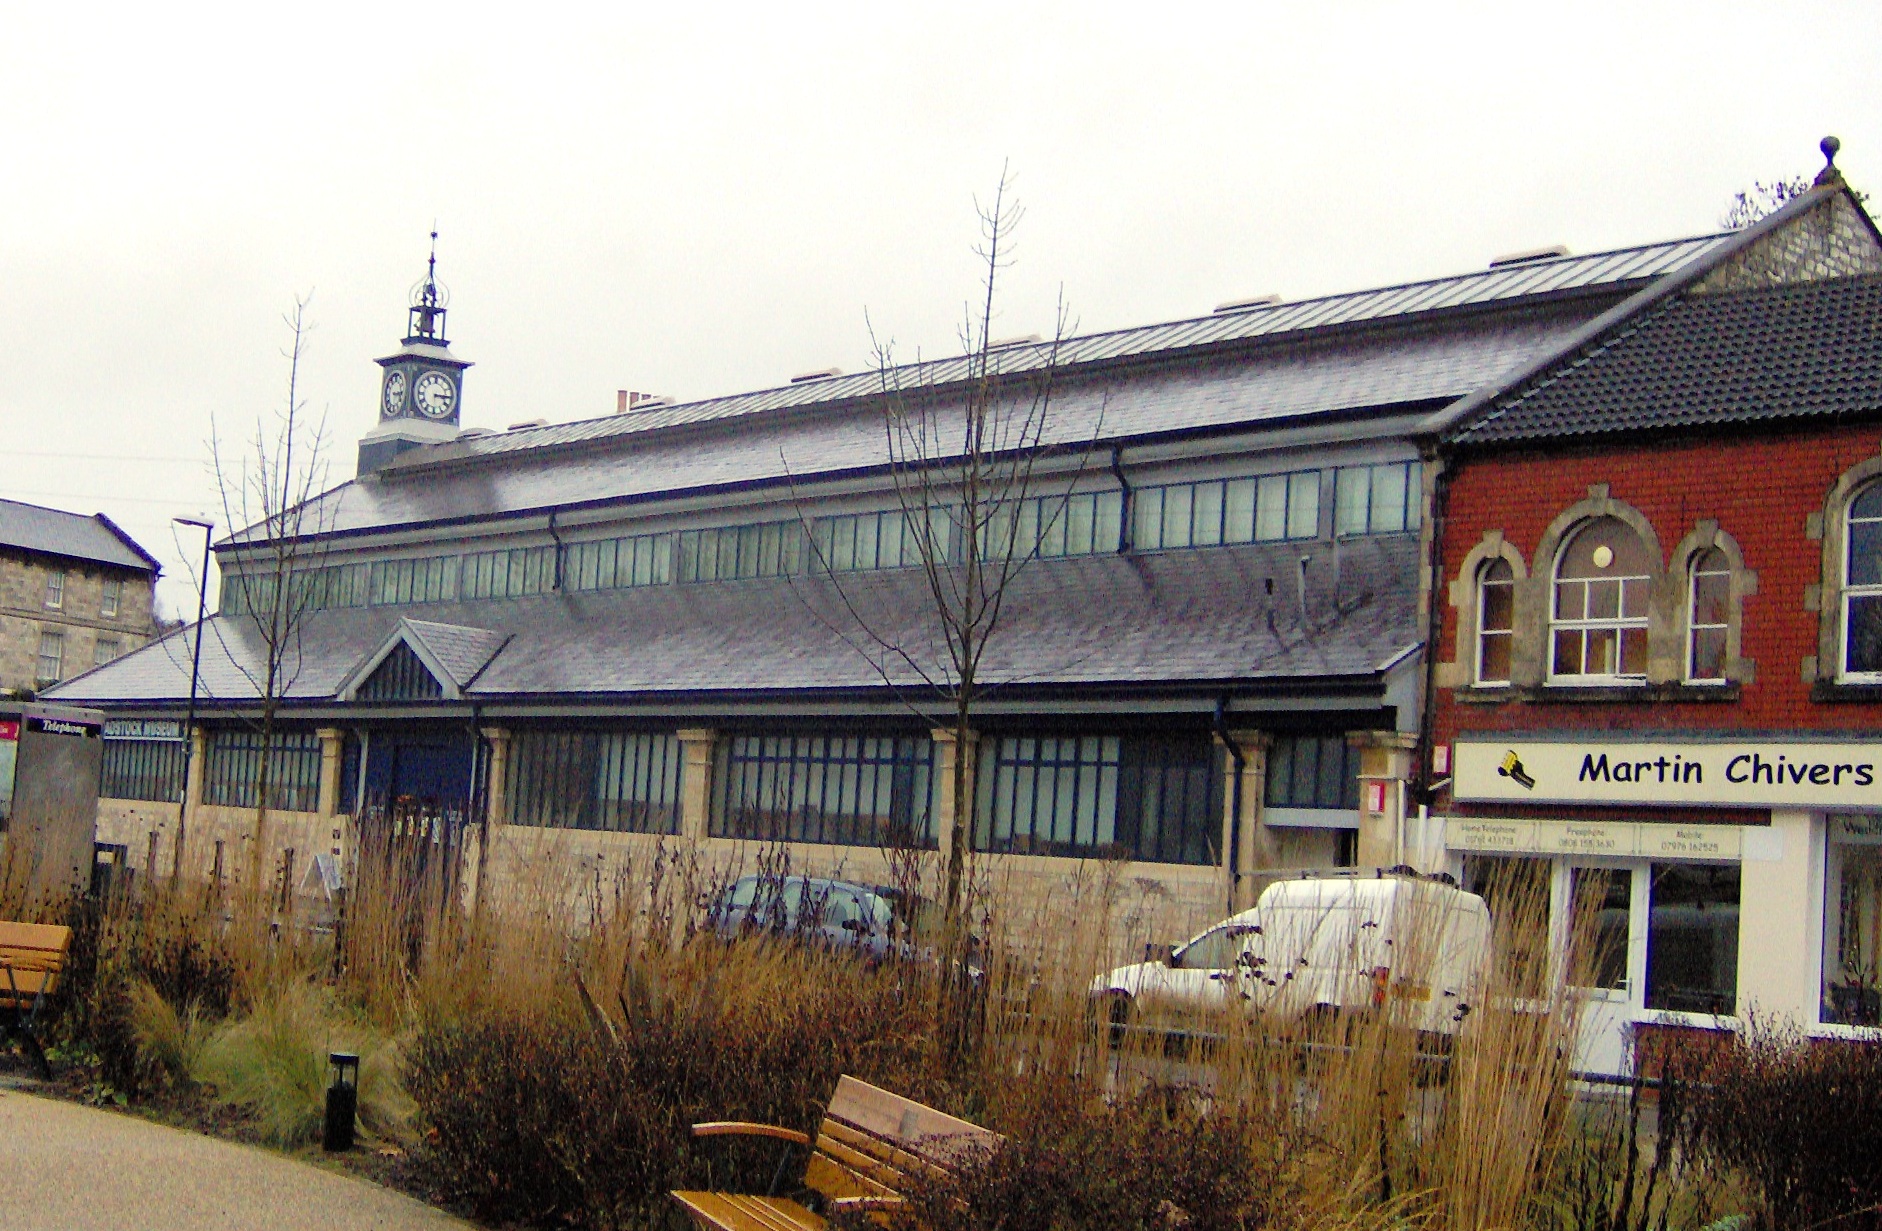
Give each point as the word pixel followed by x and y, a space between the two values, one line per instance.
pixel 693 201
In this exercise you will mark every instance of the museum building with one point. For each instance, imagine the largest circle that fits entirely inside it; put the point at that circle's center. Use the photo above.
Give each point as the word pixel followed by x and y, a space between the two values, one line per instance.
pixel 1657 675
pixel 710 622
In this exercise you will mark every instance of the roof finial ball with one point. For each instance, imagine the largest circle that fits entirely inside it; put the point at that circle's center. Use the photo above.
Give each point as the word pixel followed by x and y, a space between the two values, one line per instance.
pixel 1829 174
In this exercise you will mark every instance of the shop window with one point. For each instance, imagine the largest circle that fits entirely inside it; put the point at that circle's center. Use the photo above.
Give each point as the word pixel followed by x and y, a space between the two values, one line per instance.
pixel 1862 586
pixel 1496 623
pixel 1709 615
pixel 1602 904
pixel 1516 890
pixel 1852 922
pixel 1599 614
pixel 1692 938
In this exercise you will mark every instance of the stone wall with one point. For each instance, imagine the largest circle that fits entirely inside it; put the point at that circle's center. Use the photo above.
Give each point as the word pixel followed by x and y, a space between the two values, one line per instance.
pixel 23 613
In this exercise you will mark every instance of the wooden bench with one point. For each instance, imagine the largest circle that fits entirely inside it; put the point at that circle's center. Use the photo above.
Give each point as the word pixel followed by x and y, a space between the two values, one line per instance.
pixel 870 1141
pixel 32 957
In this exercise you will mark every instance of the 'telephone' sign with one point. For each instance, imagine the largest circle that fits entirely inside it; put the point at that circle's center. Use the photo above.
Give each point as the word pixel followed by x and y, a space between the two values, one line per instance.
pixel 1767 774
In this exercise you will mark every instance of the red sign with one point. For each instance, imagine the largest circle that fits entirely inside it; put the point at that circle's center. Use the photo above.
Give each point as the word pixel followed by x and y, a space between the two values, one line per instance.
pixel 9 729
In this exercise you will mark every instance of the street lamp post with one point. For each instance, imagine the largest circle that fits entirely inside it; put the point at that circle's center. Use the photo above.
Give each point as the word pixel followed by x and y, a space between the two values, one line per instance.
pixel 196 668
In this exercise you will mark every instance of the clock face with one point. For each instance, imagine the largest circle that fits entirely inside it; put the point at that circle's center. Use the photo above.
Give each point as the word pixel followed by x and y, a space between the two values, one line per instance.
pixel 434 395
pixel 394 399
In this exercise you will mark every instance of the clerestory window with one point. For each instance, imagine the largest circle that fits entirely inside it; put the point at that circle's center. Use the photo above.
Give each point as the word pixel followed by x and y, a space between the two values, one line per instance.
pixel 1598 617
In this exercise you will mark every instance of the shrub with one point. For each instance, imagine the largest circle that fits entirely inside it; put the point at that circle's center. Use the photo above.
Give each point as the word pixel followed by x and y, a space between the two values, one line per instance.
pixel 1801 1121
pixel 551 1111
pixel 1154 1162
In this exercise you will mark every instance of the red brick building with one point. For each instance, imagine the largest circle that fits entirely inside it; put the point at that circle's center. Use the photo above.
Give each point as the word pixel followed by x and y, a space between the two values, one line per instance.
pixel 1656 642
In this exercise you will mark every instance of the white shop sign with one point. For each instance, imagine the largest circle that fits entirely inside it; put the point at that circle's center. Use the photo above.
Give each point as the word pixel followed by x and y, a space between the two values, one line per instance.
pixel 1619 839
pixel 1760 774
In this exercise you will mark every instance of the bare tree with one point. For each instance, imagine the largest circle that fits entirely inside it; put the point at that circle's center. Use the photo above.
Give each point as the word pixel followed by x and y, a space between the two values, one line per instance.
pixel 1760 200
pixel 979 480
pixel 269 487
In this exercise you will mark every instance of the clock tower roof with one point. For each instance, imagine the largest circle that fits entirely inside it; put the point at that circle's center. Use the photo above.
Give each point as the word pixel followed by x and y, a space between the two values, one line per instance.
pixel 421 392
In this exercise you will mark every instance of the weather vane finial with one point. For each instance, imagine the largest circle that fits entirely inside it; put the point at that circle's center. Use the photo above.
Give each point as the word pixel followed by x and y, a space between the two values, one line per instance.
pixel 429 300
pixel 1829 174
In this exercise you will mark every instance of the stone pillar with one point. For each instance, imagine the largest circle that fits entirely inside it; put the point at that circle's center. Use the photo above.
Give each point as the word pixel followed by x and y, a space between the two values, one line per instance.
pixel 948 752
pixel 497 792
pixel 697 746
pixel 1385 767
pixel 190 833
pixel 1256 845
pixel 331 745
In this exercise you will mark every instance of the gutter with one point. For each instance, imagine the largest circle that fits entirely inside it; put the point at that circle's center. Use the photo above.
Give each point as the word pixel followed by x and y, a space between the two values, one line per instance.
pixel 1240 760
pixel 1434 618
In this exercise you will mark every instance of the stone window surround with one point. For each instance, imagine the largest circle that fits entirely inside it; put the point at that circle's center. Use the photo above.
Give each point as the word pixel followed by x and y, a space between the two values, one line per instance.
pixel 1824 669
pixel 1667 631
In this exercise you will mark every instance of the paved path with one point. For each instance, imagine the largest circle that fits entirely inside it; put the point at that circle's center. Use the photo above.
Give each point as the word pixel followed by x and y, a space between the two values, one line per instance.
pixel 69 1168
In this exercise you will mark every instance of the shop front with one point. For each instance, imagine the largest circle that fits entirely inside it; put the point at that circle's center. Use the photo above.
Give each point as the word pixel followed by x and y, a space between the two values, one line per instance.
pixel 1710 879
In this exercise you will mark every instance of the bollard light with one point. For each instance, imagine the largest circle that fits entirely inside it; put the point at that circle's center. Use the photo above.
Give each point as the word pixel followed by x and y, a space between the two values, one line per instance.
pixel 342 1100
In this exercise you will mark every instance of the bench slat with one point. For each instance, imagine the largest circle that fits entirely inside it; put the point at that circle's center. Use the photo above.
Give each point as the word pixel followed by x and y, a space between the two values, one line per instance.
pixel 735 1212
pixel 833 1179
pixel 52 937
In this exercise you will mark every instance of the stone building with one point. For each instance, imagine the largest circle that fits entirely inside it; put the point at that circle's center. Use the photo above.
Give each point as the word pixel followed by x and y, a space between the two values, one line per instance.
pixel 75 593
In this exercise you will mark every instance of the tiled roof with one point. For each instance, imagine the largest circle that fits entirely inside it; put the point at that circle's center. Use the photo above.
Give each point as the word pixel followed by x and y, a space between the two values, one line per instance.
pixel 75 536
pixel 1784 352
pixel 1188 617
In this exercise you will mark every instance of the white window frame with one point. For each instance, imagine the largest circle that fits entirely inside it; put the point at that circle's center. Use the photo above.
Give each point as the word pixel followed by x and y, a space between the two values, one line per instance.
pixel 56 640
pixel 117 650
pixel 1585 624
pixel 1692 616
pixel 111 597
pixel 1477 676
pixel 1847 592
pixel 55 590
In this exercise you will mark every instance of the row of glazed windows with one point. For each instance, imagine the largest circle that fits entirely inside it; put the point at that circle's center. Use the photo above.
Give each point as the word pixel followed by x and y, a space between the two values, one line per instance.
pixel 232 770
pixel 1599 617
pixel 1598 614
pixel 1156 799
pixel 1382 499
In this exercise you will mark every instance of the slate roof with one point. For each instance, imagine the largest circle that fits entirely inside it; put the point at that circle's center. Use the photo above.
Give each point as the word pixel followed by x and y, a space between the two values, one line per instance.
pixel 1526 280
pixel 1785 352
pixel 461 650
pixel 53 532
pixel 1191 617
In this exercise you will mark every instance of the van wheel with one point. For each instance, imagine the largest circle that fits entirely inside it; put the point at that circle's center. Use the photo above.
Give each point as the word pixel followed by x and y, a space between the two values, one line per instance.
pixel 1118 1015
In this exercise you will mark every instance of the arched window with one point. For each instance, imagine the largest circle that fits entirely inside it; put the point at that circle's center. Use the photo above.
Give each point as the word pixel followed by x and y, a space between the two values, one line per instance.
pixel 1599 613
pixel 1709 616
pixel 1496 590
pixel 1862 585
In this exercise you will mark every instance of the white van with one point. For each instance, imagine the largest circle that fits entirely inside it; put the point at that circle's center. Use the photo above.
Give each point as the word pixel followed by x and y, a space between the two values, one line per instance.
pixel 1343 943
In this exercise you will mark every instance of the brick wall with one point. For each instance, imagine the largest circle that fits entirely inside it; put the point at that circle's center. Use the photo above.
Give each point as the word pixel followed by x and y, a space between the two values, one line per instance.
pixel 1765 490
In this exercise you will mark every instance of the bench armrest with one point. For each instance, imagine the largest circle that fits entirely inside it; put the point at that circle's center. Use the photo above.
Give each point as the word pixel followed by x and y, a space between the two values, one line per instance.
pixel 866 1205
pixel 738 1128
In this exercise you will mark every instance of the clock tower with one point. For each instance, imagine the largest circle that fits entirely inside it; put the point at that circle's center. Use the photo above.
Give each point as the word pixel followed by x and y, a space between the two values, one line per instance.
pixel 422 388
